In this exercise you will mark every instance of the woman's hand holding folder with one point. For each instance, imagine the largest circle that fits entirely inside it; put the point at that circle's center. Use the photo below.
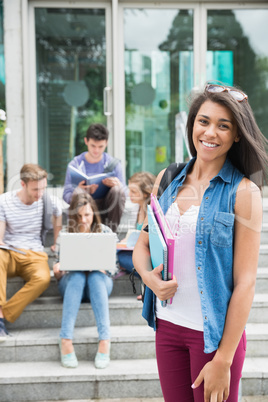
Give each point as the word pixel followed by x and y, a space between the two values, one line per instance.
pixel 164 290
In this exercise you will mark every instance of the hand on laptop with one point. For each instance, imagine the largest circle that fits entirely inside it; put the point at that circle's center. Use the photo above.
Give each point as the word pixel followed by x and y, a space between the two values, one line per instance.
pixel 57 273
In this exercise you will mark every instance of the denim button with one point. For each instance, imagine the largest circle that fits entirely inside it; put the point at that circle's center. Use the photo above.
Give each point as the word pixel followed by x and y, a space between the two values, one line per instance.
pixel 200 242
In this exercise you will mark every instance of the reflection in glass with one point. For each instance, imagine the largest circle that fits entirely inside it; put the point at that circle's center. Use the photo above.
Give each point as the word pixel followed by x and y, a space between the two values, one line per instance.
pixel 238 55
pixel 158 79
pixel 71 75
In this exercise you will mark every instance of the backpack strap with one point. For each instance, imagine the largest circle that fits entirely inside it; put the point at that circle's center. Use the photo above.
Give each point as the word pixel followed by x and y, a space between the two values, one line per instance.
pixel 170 173
pixel 111 165
pixel 47 216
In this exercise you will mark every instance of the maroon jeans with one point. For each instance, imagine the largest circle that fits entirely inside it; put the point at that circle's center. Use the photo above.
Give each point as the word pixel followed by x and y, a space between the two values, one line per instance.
pixel 180 358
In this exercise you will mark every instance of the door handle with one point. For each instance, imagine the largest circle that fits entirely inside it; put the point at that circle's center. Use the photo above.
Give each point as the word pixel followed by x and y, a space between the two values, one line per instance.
pixel 106 91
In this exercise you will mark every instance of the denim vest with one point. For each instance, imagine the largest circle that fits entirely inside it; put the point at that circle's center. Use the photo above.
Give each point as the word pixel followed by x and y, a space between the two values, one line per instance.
pixel 213 250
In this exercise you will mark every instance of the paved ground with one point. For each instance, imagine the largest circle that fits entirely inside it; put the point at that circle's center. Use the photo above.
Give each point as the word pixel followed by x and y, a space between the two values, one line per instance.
pixel 244 399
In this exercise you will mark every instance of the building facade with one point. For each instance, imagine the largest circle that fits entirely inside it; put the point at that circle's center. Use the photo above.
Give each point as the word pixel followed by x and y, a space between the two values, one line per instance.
pixel 131 65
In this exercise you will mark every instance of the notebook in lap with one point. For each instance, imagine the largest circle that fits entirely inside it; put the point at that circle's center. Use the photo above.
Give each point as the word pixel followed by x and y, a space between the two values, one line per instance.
pixel 88 252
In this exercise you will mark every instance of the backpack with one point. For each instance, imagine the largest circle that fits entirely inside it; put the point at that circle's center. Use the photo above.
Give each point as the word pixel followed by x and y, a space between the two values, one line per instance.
pixel 111 165
pixel 170 173
pixel 47 217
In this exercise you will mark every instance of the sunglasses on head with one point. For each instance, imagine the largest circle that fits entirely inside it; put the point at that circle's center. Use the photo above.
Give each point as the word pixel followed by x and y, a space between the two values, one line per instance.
pixel 235 93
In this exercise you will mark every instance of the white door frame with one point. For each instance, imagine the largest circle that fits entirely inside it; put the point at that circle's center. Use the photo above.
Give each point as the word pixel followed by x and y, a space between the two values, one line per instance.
pixel 29 51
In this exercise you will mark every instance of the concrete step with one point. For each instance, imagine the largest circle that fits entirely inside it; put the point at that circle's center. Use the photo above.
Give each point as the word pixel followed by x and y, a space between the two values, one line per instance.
pixel 122 286
pixel 124 400
pixel 122 379
pixel 264 233
pixel 127 400
pixel 262 280
pixel 255 376
pixel 243 399
pixel 46 312
pixel 43 380
pixel 257 340
pixel 248 399
pixel 263 256
pixel 128 342
pixel 265 210
pixel 259 309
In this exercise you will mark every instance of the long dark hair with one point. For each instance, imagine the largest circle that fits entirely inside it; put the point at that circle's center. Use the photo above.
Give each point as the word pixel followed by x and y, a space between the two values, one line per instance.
pixel 79 200
pixel 249 154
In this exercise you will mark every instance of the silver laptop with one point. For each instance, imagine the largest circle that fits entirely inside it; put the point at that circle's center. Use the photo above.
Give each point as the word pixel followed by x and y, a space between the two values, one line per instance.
pixel 88 251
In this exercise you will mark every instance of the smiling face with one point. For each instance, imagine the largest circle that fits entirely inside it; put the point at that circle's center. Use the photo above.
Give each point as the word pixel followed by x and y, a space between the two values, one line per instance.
pixel 214 132
pixel 33 190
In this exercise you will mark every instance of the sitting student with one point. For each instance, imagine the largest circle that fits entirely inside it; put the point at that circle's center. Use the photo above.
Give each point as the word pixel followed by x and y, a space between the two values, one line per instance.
pixel 77 286
pixel 95 161
pixel 21 217
pixel 140 187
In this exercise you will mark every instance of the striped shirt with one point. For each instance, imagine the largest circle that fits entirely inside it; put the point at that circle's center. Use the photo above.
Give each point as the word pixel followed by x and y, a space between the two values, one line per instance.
pixel 24 222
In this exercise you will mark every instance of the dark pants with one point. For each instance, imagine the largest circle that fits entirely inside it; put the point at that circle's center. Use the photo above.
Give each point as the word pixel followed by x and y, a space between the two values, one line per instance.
pixel 180 359
pixel 112 206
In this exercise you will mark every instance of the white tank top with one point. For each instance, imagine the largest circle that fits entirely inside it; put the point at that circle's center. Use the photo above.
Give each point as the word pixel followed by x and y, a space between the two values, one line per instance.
pixel 185 309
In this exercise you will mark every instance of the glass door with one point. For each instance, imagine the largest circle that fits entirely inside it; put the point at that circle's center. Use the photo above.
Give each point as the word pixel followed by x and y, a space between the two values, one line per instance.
pixel 158 79
pixel 237 53
pixel 72 82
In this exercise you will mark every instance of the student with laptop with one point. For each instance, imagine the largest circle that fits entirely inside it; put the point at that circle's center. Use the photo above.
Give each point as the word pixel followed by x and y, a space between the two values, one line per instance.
pixel 77 286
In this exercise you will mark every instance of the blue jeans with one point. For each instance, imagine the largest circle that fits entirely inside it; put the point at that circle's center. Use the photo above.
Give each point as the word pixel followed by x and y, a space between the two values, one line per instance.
pixel 79 286
pixel 125 261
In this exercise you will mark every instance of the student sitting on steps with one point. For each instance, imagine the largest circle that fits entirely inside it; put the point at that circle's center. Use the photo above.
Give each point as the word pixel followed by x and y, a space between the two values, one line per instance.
pixel 80 286
pixel 22 252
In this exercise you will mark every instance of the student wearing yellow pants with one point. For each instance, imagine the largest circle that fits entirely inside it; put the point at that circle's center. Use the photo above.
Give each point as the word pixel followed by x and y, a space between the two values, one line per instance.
pixel 22 213
pixel 33 268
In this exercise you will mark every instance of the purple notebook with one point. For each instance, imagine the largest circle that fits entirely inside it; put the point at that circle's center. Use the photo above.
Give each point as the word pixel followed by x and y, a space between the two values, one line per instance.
pixel 167 234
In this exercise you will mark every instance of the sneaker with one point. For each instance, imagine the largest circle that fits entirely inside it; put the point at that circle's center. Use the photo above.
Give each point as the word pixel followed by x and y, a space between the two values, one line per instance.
pixel 3 331
pixel 102 360
pixel 68 361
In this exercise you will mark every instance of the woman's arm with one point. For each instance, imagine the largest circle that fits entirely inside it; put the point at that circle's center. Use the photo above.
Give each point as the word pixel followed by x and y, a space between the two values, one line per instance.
pixel 248 221
pixel 142 262
pixel 57 273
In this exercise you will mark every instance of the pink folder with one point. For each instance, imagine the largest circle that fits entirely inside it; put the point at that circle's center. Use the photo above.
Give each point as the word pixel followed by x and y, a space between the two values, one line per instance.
pixel 167 234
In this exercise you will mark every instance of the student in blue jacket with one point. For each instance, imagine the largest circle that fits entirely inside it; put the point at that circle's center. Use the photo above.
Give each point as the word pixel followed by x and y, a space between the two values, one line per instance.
pixel 96 161
pixel 214 208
